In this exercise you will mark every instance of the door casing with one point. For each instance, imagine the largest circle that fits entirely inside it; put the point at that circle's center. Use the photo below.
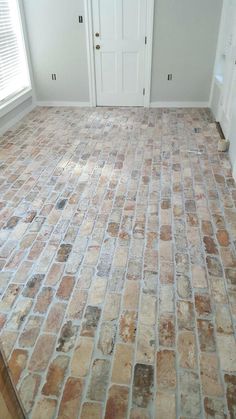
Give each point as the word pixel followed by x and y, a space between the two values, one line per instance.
pixel 90 52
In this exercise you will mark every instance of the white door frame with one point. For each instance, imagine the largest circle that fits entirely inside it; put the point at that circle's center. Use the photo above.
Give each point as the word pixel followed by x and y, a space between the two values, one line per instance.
pixel 90 50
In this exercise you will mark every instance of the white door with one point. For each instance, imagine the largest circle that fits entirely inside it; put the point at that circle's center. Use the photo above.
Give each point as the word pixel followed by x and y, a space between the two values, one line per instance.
pixel 119 46
pixel 228 78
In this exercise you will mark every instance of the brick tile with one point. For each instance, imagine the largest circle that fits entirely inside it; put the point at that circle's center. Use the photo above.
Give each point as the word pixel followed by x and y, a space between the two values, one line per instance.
pixel 145 344
pixel 199 279
pixel 165 402
pixel 190 402
pixel 55 376
pixel 111 307
pixel 143 385
pixel 97 291
pixel 33 286
pixel 139 413
pixel 99 380
pixel 10 297
pixel 42 353
pixel 185 315
pixel 44 408
pixel 55 318
pixel 44 299
pixel 17 363
pixel 77 304
pixel 230 381
pixel 187 350
pixel 121 244
pixel 21 310
pixel 54 274
pixel 71 398
pixel 210 378
pixel 166 371
pixel 107 338
pixel 29 390
pixel 8 339
pixel 82 357
pixel 90 324
pixel 67 337
pixel 203 305
pixel 128 326
pixel 91 411
pixel 184 287
pixel 122 366
pixel 167 330
pixel 66 287
pixel 131 295
pixel 214 408
pixel 227 352
pixel 30 332
pixel 117 403
pixel 206 336
pixel 223 320
pixel 64 252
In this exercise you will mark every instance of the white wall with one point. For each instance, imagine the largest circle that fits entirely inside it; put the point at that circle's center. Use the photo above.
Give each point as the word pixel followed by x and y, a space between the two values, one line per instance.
pixel 232 150
pixel 223 101
pixel 185 37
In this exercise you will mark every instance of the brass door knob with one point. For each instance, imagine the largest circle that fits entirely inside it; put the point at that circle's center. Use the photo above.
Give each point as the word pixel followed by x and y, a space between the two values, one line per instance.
pixel 98 47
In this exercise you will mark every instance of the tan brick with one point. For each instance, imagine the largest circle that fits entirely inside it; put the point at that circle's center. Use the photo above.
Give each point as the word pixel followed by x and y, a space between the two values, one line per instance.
pixel 122 366
pixel 166 369
pixel 17 363
pixel 82 357
pixel 42 353
pixel 117 403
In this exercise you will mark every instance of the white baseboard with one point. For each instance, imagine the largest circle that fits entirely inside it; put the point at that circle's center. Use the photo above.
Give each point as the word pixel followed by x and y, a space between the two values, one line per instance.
pixel 234 172
pixel 63 104
pixel 16 119
pixel 179 105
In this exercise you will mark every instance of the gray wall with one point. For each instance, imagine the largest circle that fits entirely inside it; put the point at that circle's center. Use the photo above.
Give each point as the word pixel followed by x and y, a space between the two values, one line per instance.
pixel 185 38
pixel 58 45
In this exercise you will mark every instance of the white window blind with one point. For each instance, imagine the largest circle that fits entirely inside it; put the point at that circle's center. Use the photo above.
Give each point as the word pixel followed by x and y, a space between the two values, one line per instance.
pixel 14 74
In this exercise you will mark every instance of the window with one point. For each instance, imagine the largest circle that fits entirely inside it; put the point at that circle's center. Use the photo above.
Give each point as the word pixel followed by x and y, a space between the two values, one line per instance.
pixel 14 74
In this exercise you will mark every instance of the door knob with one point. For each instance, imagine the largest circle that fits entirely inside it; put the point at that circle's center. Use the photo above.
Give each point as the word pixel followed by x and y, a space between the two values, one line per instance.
pixel 98 47
pixel 97 34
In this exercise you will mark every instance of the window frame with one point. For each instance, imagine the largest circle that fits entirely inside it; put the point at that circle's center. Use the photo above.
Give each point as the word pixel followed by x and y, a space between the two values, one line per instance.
pixel 11 102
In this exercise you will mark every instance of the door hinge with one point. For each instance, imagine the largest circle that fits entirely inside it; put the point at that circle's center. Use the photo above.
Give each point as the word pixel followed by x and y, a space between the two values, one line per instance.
pixel 144 91
pixel 145 40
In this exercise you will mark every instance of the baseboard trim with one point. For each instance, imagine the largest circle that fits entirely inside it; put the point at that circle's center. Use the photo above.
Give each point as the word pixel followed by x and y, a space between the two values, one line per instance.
pixel 63 104
pixel 234 171
pixel 16 119
pixel 179 104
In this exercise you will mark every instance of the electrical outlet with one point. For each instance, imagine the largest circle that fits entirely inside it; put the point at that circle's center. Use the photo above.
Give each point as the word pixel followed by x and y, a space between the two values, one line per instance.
pixel 54 76
pixel 80 19
pixel 170 77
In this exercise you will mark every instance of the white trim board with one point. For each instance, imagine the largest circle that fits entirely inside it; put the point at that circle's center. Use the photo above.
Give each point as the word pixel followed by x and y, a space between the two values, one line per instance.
pixel 15 101
pixel 179 104
pixel 16 119
pixel 234 172
pixel 90 49
pixel 63 104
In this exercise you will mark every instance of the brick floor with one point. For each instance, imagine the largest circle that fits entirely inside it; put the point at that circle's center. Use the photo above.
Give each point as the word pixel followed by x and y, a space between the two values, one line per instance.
pixel 118 264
